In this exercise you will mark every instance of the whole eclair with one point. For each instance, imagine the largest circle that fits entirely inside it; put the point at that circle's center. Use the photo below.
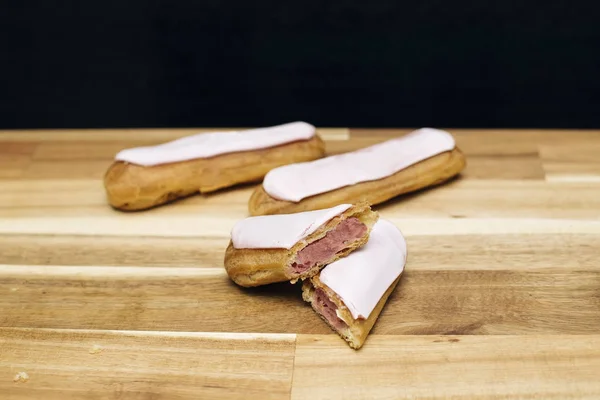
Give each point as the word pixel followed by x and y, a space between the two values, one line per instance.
pixel 145 177
pixel 423 158
pixel 279 248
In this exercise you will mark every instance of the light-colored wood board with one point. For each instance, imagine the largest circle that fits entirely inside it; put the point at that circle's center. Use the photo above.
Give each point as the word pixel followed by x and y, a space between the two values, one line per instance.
pixel 103 149
pixel 15 157
pixel 84 150
pixel 461 197
pixel 514 167
pixel 209 224
pixel 69 169
pixel 13 165
pixel 582 151
pixel 73 135
pixel 448 367
pixel 136 135
pixel 41 195
pixel 459 225
pixel 149 251
pixel 574 177
pixel 64 364
pixel 517 252
pixel 213 224
pixel 500 198
pixel 54 160
pixel 8 147
pixel 498 252
pixel 512 252
pixel 499 143
pixel 137 298
pixel 69 196
pixel 204 299
pixel 334 134
pixel 572 162
pixel 494 302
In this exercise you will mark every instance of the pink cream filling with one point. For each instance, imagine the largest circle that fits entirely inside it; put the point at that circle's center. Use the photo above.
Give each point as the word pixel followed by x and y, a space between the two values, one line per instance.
pixel 327 308
pixel 346 232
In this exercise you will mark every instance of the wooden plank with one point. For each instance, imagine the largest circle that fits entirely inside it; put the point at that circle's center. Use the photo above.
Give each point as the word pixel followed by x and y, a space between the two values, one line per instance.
pixel 73 135
pixel 55 159
pixel 209 223
pixel 528 166
pixel 36 197
pixel 448 367
pixel 8 147
pixel 516 252
pixel 13 165
pixel 69 169
pixel 462 198
pixel 572 162
pixel 204 299
pixel 15 157
pixel 137 135
pixel 138 298
pixel 73 250
pixel 63 364
pixel 461 252
pixel 500 198
pixel 84 150
pixel 103 149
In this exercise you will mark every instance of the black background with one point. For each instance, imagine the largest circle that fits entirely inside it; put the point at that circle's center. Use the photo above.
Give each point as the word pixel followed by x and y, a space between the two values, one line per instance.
pixel 136 63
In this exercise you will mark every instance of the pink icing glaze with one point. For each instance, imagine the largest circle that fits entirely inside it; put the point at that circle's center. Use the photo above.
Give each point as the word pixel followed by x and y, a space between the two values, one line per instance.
pixel 205 145
pixel 281 231
pixel 361 278
pixel 298 181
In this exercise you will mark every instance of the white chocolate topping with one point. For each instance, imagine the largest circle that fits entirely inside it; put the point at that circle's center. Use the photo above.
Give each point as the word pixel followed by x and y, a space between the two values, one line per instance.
pixel 295 182
pixel 281 231
pixel 210 144
pixel 362 277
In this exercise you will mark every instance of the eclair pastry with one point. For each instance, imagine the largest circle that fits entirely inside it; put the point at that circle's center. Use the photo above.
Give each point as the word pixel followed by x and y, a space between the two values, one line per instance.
pixel 278 248
pixel 145 177
pixel 423 158
pixel 350 293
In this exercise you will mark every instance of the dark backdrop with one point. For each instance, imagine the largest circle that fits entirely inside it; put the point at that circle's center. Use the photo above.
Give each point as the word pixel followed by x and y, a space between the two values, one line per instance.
pixel 144 63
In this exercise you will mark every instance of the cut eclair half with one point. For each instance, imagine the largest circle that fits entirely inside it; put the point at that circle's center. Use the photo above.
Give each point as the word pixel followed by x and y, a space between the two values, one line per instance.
pixel 289 247
pixel 350 294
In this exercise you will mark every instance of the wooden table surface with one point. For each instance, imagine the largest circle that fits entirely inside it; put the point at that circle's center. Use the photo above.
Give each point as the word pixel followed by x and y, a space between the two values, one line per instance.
pixel 500 298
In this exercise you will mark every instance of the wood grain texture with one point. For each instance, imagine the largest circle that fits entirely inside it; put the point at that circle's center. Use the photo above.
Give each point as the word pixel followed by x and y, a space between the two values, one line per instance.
pixel 428 252
pixel 143 365
pixel 500 298
pixel 449 367
pixel 203 299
